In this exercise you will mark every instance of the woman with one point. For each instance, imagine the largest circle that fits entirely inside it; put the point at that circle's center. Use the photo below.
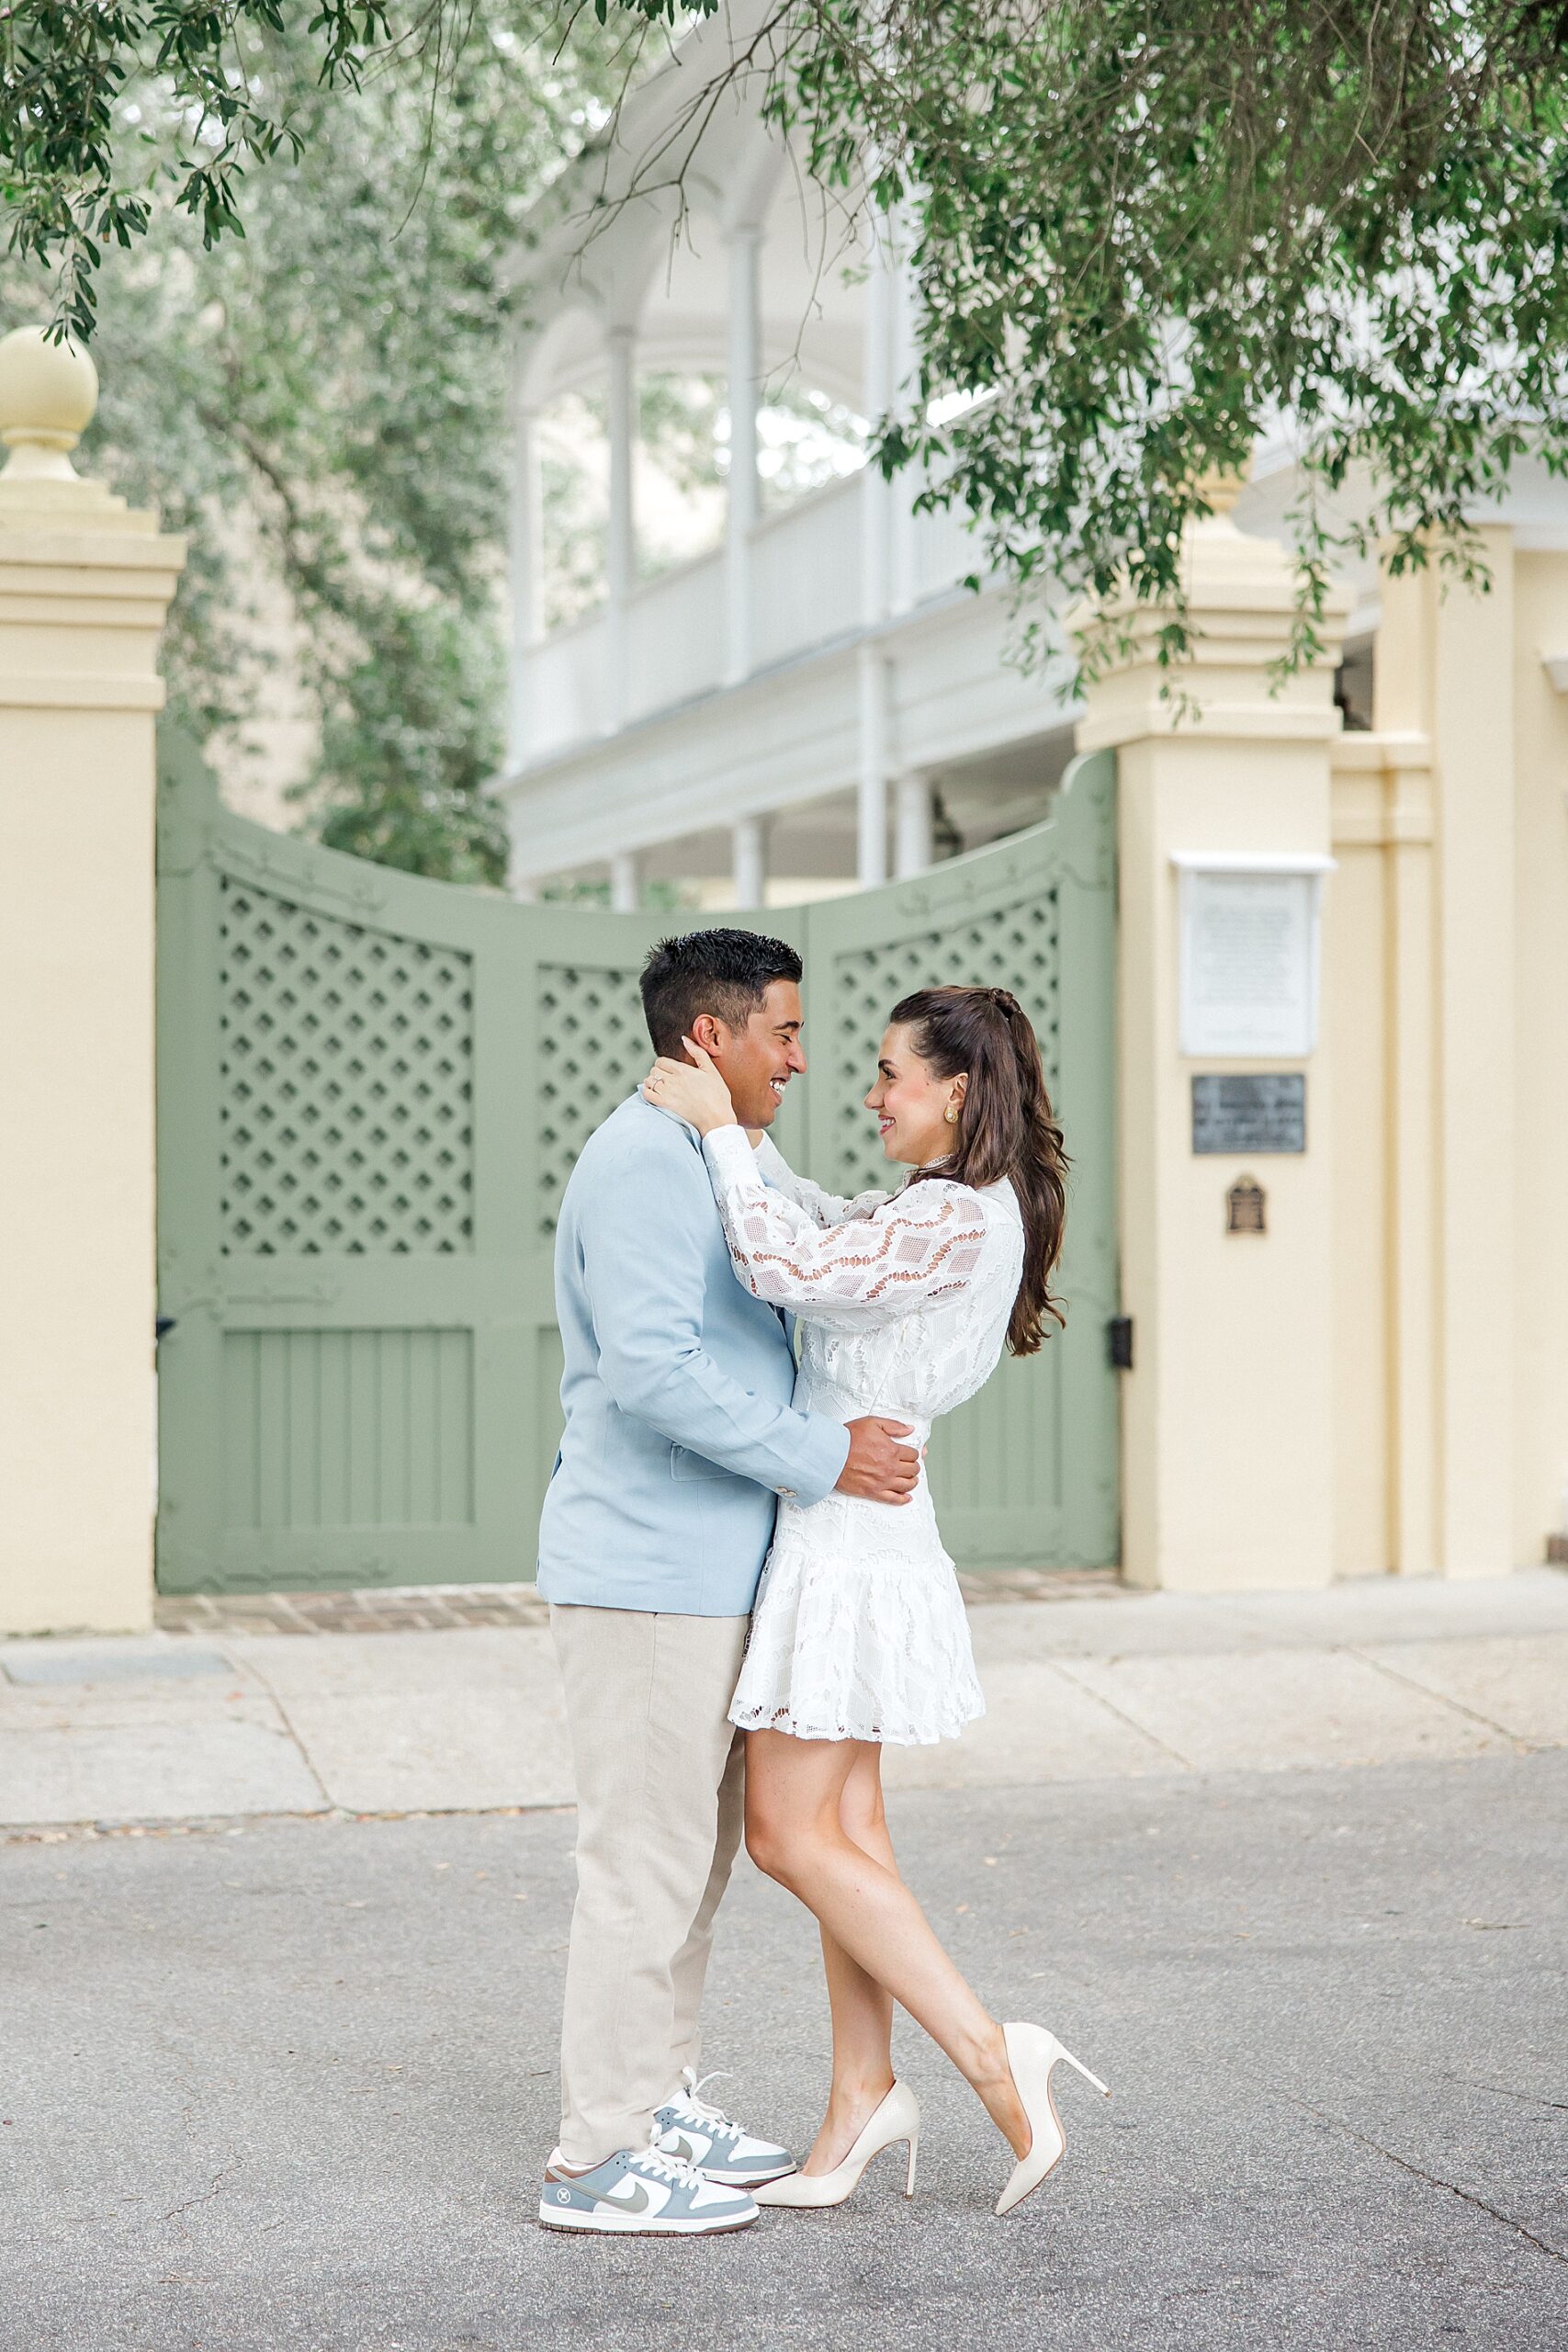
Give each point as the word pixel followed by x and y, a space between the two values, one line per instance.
pixel 859 1635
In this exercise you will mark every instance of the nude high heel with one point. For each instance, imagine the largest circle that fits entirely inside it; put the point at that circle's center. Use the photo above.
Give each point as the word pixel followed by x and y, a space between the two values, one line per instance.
pixel 1031 2053
pixel 897 2118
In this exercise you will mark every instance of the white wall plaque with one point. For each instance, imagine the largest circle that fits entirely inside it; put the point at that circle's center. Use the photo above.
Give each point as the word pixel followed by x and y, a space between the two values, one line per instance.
pixel 1250 952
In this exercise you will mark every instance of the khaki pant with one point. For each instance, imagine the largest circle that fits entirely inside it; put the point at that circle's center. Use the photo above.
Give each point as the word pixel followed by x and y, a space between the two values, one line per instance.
pixel 659 1791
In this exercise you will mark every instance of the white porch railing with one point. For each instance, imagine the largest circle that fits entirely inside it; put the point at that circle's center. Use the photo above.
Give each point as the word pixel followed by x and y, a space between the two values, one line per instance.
pixel 564 695
pixel 806 588
pixel 675 636
pixel 805 572
pixel 942 549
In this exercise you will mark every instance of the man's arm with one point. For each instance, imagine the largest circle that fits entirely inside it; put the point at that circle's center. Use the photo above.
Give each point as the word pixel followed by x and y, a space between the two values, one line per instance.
pixel 643 1234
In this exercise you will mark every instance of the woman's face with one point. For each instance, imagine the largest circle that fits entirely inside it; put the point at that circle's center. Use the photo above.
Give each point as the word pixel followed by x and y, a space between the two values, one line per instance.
pixel 911 1103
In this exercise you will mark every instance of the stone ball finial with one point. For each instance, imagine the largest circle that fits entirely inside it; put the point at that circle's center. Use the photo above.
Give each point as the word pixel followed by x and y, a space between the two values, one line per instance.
pixel 48 393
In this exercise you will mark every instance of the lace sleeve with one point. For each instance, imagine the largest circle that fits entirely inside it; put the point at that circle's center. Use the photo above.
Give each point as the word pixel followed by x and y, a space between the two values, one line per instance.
pixel 822 1208
pixel 923 1245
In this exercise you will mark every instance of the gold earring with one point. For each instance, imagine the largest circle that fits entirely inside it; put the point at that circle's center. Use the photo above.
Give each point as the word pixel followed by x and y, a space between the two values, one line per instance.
pixel 951 1114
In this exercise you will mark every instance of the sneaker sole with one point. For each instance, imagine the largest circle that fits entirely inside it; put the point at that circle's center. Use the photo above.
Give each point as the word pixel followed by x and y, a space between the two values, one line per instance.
pixel 629 2225
pixel 747 2179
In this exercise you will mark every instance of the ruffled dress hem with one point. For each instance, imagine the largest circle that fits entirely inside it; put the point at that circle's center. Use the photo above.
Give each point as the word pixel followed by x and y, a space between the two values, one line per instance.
pixel 871 1647
pixel 907 1736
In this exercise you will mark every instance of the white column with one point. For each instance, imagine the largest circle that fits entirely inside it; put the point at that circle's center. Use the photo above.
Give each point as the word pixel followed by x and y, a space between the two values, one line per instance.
pixel 745 497
pixel 878 376
pixel 751 866
pixel 526 554
pixel 912 826
pixel 871 816
pixel 870 862
pixel 626 882
pixel 904 350
pixel 621 550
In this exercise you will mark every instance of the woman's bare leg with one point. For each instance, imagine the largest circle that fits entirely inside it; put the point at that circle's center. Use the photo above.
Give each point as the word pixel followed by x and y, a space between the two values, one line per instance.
pixel 794 1831
pixel 862 2009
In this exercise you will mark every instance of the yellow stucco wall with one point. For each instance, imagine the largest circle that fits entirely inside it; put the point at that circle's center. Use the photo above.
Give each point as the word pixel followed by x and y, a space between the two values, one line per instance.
pixel 1228 1414
pixel 1446 980
pixel 1227 1436
pixel 76 1192
pixel 1540 1054
pixel 1415 1283
pixel 84 583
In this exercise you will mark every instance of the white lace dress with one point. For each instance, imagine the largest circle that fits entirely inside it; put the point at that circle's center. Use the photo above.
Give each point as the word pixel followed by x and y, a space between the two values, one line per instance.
pixel 859 1630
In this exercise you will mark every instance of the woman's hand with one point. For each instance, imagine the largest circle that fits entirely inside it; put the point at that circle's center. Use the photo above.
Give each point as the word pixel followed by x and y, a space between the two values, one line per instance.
pixel 698 1095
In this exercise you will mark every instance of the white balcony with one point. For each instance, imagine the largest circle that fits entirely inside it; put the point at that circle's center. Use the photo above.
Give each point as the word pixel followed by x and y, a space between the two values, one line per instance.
pixel 804 579
pixel 819 682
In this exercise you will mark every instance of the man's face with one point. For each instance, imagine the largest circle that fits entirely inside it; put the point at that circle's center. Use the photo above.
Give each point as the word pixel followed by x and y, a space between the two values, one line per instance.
pixel 758 1062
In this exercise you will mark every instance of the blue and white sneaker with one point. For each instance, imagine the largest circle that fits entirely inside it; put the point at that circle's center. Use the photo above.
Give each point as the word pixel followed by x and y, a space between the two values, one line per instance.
pixel 644 2191
pixel 700 2135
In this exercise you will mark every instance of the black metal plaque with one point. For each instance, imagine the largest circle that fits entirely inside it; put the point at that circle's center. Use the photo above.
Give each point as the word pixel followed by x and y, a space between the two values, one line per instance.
pixel 1231 1112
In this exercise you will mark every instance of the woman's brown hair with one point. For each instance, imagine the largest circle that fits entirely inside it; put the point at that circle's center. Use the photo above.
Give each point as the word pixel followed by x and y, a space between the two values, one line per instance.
pixel 1006 1127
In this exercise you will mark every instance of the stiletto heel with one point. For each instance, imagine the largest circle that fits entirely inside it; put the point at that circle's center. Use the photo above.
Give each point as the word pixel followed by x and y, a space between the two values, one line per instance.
pixel 1033 2053
pixel 1083 2070
pixel 897 2118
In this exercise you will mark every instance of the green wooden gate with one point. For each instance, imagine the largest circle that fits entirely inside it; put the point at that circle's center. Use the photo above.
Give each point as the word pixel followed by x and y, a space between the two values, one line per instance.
pixel 371 1091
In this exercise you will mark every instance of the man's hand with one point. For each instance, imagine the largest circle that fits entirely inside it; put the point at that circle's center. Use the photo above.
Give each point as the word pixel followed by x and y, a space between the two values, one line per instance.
pixel 880 1469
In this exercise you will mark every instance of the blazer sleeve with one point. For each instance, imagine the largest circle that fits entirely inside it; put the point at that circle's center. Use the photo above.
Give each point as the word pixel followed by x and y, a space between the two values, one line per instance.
pixel 643 1242
pixel 924 1244
pixel 822 1208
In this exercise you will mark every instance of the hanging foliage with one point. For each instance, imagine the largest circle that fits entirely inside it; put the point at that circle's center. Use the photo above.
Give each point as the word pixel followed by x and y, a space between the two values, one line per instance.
pixel 1148 236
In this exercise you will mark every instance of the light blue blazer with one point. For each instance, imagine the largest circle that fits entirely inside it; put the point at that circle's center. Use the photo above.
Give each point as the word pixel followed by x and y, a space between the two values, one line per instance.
pixel 679 1435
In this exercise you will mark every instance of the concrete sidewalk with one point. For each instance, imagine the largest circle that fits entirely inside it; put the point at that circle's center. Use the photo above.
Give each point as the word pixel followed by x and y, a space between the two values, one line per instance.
pixel 179 1726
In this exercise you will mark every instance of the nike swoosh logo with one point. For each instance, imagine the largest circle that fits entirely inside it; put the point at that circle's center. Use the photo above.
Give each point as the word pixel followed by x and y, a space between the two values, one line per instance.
pixel 635 2200
pixel 684 2149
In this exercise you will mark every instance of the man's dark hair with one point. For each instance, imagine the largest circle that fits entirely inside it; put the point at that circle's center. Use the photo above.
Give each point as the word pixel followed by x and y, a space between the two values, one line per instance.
pixel 724 973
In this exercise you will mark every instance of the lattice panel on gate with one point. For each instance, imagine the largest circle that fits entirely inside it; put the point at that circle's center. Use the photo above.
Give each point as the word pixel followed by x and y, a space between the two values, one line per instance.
pixel 593 1049
pixel 1015 947
pixel 346 1101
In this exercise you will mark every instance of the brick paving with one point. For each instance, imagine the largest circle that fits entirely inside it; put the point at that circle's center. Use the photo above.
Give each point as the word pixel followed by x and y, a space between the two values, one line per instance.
pixel 441 1607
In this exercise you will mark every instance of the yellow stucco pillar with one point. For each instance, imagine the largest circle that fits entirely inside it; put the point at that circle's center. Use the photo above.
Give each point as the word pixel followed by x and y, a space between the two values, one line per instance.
pixel 84 584
pixel 1451 665
pixel 1228 1411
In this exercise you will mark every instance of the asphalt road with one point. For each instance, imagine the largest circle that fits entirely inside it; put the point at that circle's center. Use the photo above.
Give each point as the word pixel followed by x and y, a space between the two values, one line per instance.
pixel 287 2089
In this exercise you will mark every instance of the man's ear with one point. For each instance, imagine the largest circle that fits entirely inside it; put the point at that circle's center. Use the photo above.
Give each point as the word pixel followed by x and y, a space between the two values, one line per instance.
pixel 709 1033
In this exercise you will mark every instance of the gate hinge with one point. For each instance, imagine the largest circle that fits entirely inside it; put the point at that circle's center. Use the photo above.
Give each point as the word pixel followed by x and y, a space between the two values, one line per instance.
pixel 1118 1331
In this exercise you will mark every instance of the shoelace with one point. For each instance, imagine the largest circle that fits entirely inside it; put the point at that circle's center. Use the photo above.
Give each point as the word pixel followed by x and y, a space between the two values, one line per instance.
pixel 712 2120
pixel 657 2160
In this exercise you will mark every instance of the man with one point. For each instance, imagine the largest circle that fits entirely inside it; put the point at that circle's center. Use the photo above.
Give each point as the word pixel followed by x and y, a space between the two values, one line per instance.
pixel 679 1436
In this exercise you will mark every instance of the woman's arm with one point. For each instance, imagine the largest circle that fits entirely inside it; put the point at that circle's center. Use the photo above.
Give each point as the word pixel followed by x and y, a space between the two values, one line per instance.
pixel 822 1208
pixel 695 1091
pixel 925 1244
